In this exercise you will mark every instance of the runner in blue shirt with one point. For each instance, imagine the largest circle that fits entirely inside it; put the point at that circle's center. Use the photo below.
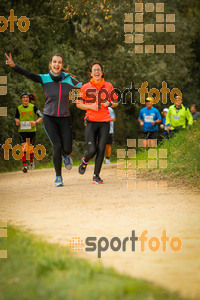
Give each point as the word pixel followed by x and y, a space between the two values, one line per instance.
pixel 149 118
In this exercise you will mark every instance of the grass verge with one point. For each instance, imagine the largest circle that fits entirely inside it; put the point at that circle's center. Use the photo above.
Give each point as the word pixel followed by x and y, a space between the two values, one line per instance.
pixel 183 157
pixel 35 269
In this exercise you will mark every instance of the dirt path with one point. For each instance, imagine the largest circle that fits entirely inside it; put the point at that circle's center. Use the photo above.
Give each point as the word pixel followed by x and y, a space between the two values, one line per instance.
pixel 82 209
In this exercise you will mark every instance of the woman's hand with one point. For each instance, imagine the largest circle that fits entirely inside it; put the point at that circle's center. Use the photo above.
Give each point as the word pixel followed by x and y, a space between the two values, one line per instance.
pixel 107 103
pixel 33 123
pixel 9 60
pixel 93 106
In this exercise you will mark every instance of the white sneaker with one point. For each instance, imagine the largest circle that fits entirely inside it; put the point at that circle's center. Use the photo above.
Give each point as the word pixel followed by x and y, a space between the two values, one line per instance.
pixel 107 161
pixel 31 166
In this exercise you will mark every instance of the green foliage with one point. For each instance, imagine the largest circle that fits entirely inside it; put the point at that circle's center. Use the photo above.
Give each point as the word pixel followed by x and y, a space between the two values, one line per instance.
pixel 35 269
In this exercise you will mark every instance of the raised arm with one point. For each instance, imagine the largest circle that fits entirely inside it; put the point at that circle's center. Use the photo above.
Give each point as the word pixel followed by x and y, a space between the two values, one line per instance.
pixel 34 77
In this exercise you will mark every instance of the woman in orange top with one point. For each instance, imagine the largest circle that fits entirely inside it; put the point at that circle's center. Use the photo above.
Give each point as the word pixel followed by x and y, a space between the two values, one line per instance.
pixel 95 97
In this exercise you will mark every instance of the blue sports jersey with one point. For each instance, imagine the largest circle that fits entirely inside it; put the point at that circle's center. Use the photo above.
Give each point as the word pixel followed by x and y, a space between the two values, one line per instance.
pixel 149 115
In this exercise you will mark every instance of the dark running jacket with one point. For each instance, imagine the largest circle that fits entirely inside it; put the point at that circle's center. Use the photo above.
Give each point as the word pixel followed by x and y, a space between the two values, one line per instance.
pixel 56 92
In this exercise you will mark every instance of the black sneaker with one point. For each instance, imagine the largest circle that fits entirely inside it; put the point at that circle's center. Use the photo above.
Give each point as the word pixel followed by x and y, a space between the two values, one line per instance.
pixel 97 179
pixel 24 169
pixel 82 167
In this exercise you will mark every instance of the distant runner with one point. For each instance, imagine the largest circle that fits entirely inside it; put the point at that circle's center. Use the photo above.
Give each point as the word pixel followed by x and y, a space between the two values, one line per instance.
pixel 195 114
pixel 149 118
pixel 163 125
pixel 27 126
pixel 110 136
pixel 177 117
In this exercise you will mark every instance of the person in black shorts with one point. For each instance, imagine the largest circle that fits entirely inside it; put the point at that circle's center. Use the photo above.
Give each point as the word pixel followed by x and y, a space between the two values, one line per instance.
pixel 149 118
pixel 27 126
pixel 57 85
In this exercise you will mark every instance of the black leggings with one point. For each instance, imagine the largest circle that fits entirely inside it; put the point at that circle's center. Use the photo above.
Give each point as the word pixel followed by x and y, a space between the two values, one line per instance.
pixel 59 132
pixel 96 134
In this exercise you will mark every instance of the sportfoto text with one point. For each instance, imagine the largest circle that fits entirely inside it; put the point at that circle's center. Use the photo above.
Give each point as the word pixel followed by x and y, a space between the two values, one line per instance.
pixel 116 244
pixel 102 96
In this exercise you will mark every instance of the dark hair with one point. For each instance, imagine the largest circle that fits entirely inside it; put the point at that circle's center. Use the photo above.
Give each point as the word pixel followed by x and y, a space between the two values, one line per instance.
pixel 97 63
pixel 65 69
pixel 33 98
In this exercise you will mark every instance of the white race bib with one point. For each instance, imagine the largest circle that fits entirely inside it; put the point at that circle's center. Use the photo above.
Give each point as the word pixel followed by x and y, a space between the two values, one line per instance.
pixel 25 125
pixel 176 117
pixel 148 118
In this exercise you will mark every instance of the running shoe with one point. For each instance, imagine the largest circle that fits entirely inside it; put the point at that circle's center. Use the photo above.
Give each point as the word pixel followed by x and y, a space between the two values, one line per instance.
pixel 68 162
pixel 31 166
pixel 58 181
pixel 82 167
pixel 25 169
pixel 107 161
pixel 97 179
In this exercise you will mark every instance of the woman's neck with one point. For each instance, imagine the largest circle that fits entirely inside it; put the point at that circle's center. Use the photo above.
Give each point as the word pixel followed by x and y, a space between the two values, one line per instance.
pixel 54 73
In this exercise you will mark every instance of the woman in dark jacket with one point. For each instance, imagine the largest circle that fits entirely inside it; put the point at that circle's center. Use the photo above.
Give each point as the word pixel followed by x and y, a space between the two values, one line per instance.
pixel 56 85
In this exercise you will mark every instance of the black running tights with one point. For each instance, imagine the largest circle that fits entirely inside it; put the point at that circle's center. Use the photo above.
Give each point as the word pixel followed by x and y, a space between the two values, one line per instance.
pixel 96 137
pixel 59 132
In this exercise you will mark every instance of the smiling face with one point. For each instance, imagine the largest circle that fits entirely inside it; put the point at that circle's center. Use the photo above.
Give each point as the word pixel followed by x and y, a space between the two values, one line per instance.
pixel 56 64
pixel 178 102
pixel 25 100
pixel 149 104
pixel 96 73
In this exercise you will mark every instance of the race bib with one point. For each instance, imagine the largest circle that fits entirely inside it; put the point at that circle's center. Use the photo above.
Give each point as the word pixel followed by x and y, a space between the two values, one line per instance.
pixel 25 125
pixel 148 118
pixel 176 117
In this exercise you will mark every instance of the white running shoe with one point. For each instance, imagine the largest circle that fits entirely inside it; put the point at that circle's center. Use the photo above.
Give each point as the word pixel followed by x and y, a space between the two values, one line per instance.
pixel 107 161
pixel 32 166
